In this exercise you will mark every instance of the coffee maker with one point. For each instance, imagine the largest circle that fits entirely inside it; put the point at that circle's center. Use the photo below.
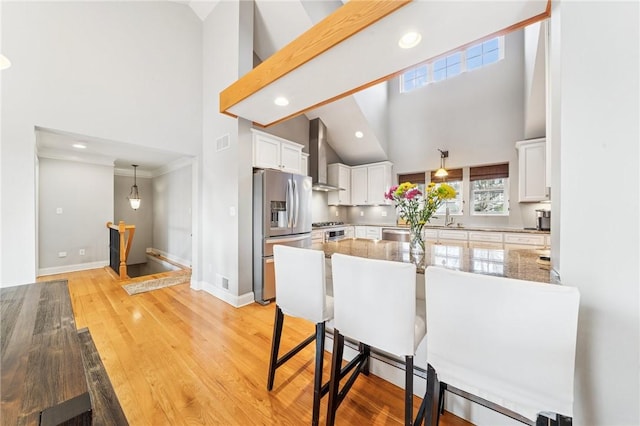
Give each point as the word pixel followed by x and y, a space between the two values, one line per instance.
pixel 543 220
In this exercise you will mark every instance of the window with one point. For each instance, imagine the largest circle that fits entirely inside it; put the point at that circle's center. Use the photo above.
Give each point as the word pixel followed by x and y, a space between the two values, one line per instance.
pixel 455 180
pixel 489 190
pixel 447 67
pixel 414 78
pixel 483 53
pixel 472 58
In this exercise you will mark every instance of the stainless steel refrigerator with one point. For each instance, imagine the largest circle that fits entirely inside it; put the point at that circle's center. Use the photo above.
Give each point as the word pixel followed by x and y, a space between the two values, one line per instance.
pixel 281 215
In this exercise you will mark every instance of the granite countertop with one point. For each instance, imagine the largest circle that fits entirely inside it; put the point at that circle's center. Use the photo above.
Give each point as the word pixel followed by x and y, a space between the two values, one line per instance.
pixel 469 228
pixel 511 263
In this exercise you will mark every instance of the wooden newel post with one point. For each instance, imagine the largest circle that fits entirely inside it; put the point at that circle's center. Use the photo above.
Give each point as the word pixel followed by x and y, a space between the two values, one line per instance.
pixel 123 251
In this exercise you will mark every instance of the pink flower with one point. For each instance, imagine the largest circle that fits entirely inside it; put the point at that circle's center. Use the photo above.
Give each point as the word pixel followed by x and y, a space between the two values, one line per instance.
pixel 412 193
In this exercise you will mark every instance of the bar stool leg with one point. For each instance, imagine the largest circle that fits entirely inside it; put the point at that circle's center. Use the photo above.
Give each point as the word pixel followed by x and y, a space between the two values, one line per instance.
pixel 408 391
pixel 317 376
pixel 334 384
pixel 275 346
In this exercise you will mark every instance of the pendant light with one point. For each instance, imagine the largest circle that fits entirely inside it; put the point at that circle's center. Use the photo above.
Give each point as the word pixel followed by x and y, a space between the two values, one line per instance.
pixel 134 197
pixel 442 172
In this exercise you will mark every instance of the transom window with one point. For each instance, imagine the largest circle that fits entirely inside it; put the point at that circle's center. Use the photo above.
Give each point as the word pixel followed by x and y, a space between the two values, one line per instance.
pixel 469 59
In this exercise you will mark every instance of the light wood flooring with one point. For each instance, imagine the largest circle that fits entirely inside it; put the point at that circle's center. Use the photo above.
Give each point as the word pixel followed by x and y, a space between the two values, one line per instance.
pixel 176 356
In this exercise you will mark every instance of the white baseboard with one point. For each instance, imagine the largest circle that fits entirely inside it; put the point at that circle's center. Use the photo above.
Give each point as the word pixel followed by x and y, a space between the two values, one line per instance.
pixel 72 268
pixel 224 295
pixel 183 262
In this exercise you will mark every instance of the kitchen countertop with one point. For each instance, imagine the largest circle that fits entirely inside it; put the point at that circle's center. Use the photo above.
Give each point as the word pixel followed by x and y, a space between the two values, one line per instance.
pixel 511 263
pixel 462 228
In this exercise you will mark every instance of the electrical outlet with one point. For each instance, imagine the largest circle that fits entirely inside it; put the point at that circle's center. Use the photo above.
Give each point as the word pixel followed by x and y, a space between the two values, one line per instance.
pixel 384 213
pixel 81 252
pixel 62 254
pixel 361 213
pixel 59 210
pixel 337 213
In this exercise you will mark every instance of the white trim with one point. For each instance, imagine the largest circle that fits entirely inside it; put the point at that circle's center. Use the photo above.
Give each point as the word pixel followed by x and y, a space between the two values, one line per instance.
pixel 75 156
pixel 172 166
pixel 224 295
pixel 72 268
pixel 128 172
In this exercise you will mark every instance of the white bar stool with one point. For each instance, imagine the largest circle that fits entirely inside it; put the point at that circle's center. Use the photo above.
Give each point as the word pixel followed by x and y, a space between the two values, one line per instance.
pixel 504 343
pixel 375 304
pixel 301 292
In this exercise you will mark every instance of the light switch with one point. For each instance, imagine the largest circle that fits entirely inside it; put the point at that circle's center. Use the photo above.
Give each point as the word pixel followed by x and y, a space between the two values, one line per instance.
pixel 232 211
pixel 59 210
pixel 384 213
pixel 361 213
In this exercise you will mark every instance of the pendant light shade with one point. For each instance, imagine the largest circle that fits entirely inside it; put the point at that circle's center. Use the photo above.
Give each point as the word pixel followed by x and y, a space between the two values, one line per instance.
pixel 442 172
pixel 134 196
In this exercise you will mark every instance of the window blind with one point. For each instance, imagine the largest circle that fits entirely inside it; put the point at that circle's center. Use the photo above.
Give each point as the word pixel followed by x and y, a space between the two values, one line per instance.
pixel 412 177
pixel 495 171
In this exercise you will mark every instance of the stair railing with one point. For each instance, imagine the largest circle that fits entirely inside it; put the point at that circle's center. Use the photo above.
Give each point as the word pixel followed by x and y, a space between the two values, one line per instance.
pixel 120 239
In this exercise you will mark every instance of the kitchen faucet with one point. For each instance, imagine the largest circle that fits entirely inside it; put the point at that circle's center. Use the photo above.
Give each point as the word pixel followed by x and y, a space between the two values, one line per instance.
pixel 448 219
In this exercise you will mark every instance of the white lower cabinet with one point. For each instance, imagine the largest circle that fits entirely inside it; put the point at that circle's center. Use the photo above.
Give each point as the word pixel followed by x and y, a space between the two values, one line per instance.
pixel 515 240
pixel 481 239
pixel 349 232
pixel 458 238
pixel 317 237
pixel 368 232
pixel 374 232
pixel 430 235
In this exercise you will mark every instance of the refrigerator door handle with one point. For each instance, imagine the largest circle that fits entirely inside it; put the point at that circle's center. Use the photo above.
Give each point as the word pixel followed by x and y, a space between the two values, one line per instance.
pixel 296 204
pixel 289 203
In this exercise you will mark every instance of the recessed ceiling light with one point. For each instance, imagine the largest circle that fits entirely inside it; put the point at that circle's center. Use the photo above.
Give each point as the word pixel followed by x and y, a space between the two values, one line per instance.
pixel 359 134
pixel 79 145
pixel 409 40
pixel 281 101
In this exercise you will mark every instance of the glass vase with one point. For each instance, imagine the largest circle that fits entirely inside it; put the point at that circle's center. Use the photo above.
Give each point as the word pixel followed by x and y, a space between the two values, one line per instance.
pixel 416 240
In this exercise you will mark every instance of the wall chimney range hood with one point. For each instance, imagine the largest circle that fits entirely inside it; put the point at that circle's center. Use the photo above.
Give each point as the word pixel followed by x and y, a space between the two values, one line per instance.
pixel 318 156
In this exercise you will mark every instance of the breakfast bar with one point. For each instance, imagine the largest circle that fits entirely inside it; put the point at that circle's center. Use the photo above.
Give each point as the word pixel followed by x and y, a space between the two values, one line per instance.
pixel 523 264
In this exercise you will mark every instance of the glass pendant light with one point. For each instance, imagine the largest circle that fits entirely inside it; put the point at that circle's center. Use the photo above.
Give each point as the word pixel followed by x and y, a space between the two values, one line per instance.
pixel 442 172
pixel 134 197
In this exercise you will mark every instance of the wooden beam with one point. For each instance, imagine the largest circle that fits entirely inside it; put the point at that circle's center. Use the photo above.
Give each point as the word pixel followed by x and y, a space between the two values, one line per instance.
pixel 348 20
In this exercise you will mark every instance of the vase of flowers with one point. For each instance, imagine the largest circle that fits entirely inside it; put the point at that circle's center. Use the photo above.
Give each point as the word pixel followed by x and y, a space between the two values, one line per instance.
pixel 417 208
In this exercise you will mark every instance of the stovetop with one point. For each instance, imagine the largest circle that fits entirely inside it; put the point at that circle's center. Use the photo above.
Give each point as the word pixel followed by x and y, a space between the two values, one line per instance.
pixel 325 224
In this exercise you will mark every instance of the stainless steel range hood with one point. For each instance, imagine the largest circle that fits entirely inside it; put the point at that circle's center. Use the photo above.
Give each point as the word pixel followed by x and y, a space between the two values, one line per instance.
pixel 318 156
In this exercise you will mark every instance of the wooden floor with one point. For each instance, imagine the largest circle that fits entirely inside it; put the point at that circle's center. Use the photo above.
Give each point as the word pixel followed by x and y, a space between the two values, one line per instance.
pixel 176 356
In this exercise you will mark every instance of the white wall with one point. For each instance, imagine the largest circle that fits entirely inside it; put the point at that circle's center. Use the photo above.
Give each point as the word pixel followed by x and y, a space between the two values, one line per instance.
pixel 598 122
pixel 224 237
pixel 142 218
pixel 84 194
pixel 123 71
pixel 477 116
pixel 172 198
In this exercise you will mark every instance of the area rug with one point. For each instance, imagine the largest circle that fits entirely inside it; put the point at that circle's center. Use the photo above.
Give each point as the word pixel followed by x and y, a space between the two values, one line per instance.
pixel 149 285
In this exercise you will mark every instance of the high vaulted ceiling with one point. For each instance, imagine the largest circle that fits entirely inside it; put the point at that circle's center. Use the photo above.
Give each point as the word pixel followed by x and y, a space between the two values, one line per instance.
pixel 276 24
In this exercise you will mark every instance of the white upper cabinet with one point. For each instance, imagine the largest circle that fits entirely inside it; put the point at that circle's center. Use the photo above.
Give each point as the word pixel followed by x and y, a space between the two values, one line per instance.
pixel 272 152
pixel 340 176
pixel 532 184
pixel 370 182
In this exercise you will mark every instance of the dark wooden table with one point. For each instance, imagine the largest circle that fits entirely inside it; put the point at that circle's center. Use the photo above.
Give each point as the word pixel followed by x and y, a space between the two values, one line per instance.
pixel 42 369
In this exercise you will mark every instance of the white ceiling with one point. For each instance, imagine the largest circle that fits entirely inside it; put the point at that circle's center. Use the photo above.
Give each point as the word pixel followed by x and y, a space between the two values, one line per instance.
pixel 276 23
pixel 57 144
